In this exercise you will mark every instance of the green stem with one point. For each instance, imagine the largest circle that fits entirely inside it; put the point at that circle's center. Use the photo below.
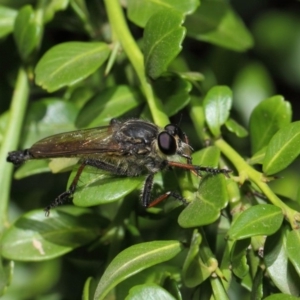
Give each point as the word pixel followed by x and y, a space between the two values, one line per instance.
pixel 247 172
pixel 123 35
pixel 11 139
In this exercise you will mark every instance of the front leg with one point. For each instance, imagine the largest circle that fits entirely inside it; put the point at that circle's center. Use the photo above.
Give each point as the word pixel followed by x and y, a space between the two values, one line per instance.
pixel 199 169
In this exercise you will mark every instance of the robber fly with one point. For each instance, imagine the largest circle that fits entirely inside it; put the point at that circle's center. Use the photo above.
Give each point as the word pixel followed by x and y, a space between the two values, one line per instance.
pixel 131 148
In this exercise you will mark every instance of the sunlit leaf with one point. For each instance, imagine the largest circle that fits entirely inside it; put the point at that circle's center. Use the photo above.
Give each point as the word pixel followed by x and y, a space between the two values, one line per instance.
pixel 162 40
pixel 135 259
pixel 236 128
pixel 67 63
pixel 283 149
pixel 266 119
pixel 263 219
pixel 7 19
pixel 140 11
pixel 217 104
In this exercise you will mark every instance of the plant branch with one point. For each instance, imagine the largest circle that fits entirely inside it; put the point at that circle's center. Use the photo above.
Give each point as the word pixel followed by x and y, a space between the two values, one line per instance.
pixel 247 172
pixel 123 35
pixel 11 139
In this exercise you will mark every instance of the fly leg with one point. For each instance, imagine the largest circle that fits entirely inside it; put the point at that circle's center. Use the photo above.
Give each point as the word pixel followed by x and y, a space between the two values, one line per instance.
pixel 199 169
pixel 65 196
pixel 146 194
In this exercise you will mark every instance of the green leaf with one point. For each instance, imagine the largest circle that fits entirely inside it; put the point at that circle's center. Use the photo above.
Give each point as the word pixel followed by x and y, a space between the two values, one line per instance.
pixel 257 290
pixel 86 294
pixel 53 7
pixel 68 63
pixel 236 128
pixel 217 104
pixel 162 40
pixel 7 20
pixel 278 267
pixel 140 11
pixel 133 260
pixel 258 157
pixel 47 117
pixel 238 258
pixel 266 119
pixel 191 76
pixel 194 271
pixel 215 22
pixel 283 149
pixel 152 275
pixel 110 103
pixel 206 207
pixel 28 30
pixel 263 219
pixel 174 92
pixel 292 247
pixel 35 237
pixel 95 187
pixel 148 291
pixel 31 168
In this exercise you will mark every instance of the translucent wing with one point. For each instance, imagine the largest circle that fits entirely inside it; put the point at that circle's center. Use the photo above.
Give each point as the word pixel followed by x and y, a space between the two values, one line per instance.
pixel 77 143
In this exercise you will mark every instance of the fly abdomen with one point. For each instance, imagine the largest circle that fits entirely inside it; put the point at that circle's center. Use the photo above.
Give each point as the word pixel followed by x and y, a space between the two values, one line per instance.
pixel 18 157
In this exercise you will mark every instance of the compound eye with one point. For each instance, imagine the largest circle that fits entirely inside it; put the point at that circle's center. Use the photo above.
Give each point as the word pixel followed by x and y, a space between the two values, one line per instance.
pixel 166 143
pixel 175 130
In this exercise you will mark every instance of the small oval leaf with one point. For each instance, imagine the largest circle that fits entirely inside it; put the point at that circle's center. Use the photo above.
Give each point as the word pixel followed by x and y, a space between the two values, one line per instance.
pixel 217 104
pixel 68 63
pixel 263 219
pixel 206 207
pixel 162 40
pixel 283 149
pixel 236 128
pixel 266 119
pixel 133 260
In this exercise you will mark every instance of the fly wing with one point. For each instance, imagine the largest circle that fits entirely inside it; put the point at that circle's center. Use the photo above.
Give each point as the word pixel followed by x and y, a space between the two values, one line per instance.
pixel 77 143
